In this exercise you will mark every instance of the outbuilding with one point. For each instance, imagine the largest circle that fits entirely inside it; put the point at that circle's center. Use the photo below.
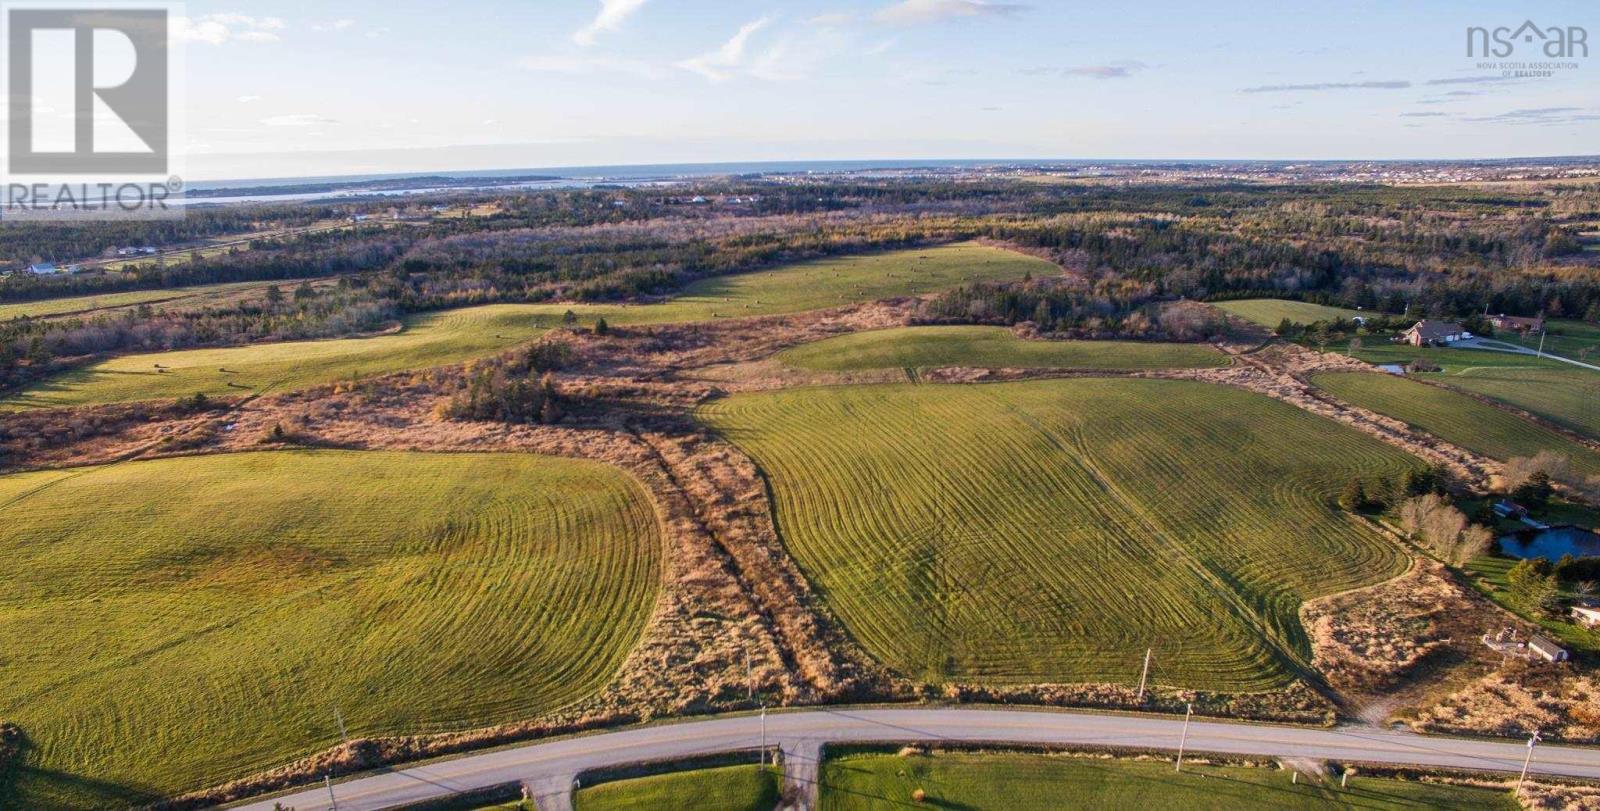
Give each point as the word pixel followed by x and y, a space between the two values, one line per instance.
pixel 1544 648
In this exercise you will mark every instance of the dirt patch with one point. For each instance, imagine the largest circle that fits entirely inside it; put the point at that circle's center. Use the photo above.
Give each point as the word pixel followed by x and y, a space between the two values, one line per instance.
pixel 1391 647
pixel 1297 703
pixel 1541 797
pixel 1558 702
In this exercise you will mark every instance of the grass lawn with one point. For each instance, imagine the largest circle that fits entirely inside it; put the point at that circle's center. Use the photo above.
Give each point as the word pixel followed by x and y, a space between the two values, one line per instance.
pixel 1270 312
pixel 1023 782
pixel 989 347
pixel 1052 530
pixel 1565 336
pixel 725 788
pixel 168 625
pixel 436 339
pixel 1490 572
pixel 1455 418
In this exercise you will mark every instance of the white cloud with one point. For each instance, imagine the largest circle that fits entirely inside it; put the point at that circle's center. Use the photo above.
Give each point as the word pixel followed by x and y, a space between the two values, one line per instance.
pixel 835 19
pixel 1112 70
pixel 585 65
pixel 334 25
pixel 217 29
pixel 719 65
pixel 249 99
pixel 613 13
pixel 910 12
pixel 880 48
pixel 297 120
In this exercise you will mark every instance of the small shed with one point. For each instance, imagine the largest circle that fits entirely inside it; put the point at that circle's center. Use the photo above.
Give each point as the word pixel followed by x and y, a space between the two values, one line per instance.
pixel 1544 648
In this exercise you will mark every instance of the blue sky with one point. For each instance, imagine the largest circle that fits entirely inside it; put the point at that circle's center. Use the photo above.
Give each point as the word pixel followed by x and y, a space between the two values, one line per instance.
pixel 288 88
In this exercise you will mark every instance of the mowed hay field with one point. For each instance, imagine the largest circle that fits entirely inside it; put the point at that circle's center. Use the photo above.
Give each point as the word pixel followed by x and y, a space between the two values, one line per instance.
pixel 436 339
pixel 1039 782
pixel 168 625
pixel 1455 418
pixel 1568 397
pixel 1560 392
pixel 1050 531
pixel 1270 312
pixel 989 347
pixel 107 301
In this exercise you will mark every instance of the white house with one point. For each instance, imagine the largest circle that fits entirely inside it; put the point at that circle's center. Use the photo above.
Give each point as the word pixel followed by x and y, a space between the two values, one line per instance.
pixel 1586 616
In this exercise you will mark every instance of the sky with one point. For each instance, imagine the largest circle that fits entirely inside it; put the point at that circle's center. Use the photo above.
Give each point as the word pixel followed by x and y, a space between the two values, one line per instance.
pixel 294 87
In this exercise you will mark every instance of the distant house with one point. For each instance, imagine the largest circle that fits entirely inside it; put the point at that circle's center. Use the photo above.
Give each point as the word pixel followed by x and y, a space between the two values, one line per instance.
pixel 1434 333
pixel 1516 323
pixel 142 250
pixel 1544 648
pixel 1586 616
pixel 49 269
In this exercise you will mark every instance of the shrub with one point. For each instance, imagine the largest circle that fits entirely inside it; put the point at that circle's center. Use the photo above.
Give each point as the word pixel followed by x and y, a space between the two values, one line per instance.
pixel 1533 587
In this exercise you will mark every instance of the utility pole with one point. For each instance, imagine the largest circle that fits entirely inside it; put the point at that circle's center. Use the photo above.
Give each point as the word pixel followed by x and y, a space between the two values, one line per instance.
pixel 1542 333
pixel 1526 761
pixel 343 736
pixel 328 781
pixel 1187 714
pixel 1146 674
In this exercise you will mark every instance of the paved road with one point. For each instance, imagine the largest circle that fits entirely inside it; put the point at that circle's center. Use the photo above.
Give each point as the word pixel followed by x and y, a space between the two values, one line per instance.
pixel 548 768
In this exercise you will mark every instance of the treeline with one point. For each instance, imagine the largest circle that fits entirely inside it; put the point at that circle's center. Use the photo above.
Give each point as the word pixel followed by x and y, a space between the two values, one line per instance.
pixel 22 244
pixel 1102 311
pixel 33 349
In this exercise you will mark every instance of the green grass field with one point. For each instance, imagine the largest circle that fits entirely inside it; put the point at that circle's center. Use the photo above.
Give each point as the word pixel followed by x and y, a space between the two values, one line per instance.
pixel 1562 393
pixel 1270 312
pixel 1567 337
pixel 1050 531
pixel 1455 418
pixel 437 339
pixel 988 347
pixel 1025 782
pixel 169 625
pixel 1568 397
pixel 725 788
pixel 85 304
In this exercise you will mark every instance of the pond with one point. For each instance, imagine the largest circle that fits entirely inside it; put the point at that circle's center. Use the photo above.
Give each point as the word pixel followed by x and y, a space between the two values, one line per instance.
pixel 1551 543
